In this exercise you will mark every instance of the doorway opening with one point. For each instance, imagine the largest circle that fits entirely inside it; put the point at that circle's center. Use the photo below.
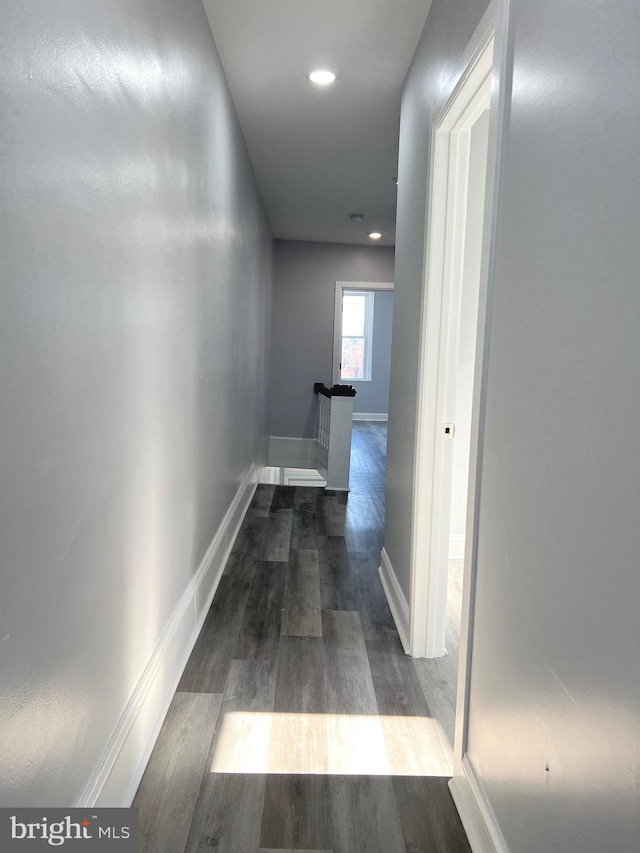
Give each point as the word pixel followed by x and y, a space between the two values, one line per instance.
pixel 450 359
pixel 363 319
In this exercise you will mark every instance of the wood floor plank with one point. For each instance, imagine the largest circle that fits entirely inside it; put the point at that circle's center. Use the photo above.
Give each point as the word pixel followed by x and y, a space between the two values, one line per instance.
pixel 364 527
pixel 167 794
pixel 338 589
pixel 278 539
pixel 250 541
pixel 283 498
pixel 348 682
pixel 355 739
pixel 438 676
pixel 250 686
pixel 241 739
pixel 429 819
pixel 307 495
pixel 398 691
pixel 375 614
pixel 298 735
pixel 262 498
pixel 300 679
pixel 305 534
pixel 333 510
pixel 416 746
pixel 296 813
pixel 364 815
pixel 208 666
pixel 259 634
pixel 301 617
pixel 298 744
pixel 228 812
pixel 437 679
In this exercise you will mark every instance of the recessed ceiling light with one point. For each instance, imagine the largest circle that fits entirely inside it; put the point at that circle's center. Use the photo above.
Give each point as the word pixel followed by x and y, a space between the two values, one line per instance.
pixel 322 77
pixel 375 235
pixel 356 217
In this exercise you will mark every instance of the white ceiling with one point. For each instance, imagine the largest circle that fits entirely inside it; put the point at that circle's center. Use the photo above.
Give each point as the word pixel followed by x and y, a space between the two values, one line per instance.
pixel 320 154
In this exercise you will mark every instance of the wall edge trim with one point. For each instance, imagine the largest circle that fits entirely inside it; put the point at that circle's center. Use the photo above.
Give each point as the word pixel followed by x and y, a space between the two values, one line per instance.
pixel 122 763
pixel 475 812
pixel 396 599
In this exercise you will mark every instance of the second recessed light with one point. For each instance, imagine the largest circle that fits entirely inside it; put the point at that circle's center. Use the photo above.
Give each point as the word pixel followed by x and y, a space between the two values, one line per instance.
pixel 375 235
pixel 322 77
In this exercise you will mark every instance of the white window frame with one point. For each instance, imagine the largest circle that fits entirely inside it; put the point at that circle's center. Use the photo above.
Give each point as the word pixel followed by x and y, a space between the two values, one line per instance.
pixel 343 287
pixel 367 335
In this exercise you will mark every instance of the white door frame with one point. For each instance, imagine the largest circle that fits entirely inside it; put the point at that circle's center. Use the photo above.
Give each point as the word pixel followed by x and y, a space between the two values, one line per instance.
pixel 341 286
pixel 479 823
pixel 425 633
pixel 439 348
pixel 486 58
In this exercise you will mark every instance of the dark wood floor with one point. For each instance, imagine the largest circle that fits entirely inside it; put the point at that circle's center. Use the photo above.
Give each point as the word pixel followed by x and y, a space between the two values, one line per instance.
pixel 299 723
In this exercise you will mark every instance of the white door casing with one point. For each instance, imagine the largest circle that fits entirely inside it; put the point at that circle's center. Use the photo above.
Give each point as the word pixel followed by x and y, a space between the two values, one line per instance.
pixel 439 351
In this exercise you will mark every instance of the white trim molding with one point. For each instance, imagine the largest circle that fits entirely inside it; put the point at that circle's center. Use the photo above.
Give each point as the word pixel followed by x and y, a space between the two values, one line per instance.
pixel 303 477
pixel 270 476
pixel 475 813
pixel 370 416
pixel 398 604
pixel 119 770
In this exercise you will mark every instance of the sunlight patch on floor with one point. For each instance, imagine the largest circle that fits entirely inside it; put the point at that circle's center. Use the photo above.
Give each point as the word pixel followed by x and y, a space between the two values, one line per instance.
pixel 341 744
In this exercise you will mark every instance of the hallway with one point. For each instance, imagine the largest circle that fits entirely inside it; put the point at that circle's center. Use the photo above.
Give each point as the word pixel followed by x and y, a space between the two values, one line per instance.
pixel 299 723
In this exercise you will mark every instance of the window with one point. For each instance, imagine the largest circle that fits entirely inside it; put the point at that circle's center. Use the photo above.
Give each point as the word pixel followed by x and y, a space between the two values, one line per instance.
pixel 357 335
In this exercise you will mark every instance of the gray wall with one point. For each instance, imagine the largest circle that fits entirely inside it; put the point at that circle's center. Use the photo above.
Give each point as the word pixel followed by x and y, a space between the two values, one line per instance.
pixel 302 327
pixel 373 397
pixel 555 694
pixel 135 280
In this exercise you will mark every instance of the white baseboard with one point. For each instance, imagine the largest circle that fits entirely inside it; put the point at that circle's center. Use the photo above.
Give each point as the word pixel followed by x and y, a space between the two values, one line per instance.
pixel 370 416
pixel 456 547
pixel 292 477
pixel 125 756
pixel 303 477
pixel 475 813
pixel 396 599
pixel 270 475
pixel 287 452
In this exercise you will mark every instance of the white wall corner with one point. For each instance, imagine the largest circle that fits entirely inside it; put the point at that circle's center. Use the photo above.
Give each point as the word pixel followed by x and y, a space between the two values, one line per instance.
pixel 119 770
pixel 286 452
pixel 270 475
pixel 475 813
pixel 395 598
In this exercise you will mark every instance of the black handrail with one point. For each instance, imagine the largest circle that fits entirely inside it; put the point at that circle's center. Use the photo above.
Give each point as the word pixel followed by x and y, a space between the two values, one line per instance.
pixel 336 391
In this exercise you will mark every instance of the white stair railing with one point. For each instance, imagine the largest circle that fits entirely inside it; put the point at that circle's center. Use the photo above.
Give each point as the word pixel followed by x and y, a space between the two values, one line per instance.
pixel 335 420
